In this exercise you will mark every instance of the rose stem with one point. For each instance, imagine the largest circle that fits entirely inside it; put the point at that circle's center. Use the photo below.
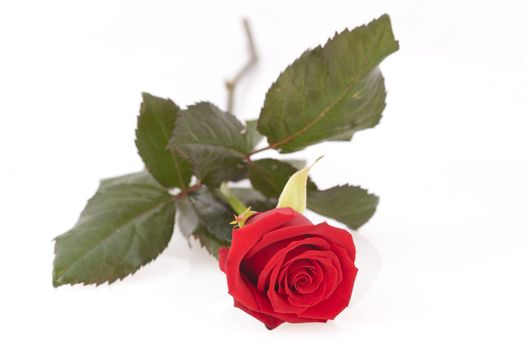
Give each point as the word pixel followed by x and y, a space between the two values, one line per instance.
pixel 235 203
pixel 252 60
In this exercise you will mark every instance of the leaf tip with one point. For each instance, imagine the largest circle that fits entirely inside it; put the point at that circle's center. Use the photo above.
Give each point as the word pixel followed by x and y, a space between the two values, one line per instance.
pixel 146 96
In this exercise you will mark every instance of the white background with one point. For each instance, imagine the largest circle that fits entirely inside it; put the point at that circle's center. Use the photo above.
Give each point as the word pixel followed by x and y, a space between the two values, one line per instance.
pixel 441 263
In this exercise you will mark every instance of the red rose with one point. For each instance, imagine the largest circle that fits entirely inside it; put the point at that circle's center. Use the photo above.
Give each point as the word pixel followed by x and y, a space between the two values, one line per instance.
pixel 282 268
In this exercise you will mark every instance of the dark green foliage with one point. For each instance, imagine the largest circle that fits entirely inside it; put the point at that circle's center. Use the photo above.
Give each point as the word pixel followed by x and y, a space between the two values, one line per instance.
pixel 330 92
pixel 154 128
pixel 126 224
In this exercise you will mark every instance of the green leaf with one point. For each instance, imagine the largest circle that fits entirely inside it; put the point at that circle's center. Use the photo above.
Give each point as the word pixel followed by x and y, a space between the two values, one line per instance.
pixel 213 213
pixel 269 176
pixel 214 141
pixel 189 224
pixel 154 128
pixel 254 199
pixel 330 92
pixel 351 205
pixel 141 177
pixel 126 224
pixel 209 241
pixel 187 218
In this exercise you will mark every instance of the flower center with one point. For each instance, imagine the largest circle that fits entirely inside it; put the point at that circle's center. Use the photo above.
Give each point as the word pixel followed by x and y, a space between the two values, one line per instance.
pixel 303 277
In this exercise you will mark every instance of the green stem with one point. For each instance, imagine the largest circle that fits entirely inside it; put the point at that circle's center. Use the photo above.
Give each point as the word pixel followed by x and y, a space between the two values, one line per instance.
pixel 234 202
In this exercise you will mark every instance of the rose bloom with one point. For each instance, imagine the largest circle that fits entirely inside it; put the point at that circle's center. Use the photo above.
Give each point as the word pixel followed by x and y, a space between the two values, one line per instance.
pixel 282 268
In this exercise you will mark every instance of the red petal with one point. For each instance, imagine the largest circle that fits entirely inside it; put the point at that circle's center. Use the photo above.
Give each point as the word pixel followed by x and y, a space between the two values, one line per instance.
pixel 243 240
pixel 340 298
pixel 278 258
pixel 223 255
pixel 341 237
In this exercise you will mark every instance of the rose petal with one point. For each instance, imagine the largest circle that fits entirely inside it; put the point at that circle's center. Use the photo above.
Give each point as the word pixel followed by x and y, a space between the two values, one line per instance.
pixel 255 260
pixel 282 236
pixel 308 299
pixel 278 257
pixel 265 307
pixel 341 237
pixel 254 264
pixel 332 277
pixel 340 298
pixel 223 255
pixel 273 267
pixel 312 269
pixel 318 277
pixel 244 239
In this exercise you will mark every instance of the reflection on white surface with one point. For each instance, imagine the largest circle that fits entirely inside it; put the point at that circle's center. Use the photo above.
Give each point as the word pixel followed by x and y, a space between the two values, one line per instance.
pixel 369 263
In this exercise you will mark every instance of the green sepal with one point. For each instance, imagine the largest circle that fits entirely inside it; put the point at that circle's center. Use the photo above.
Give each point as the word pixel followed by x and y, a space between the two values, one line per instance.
pixel 294 192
